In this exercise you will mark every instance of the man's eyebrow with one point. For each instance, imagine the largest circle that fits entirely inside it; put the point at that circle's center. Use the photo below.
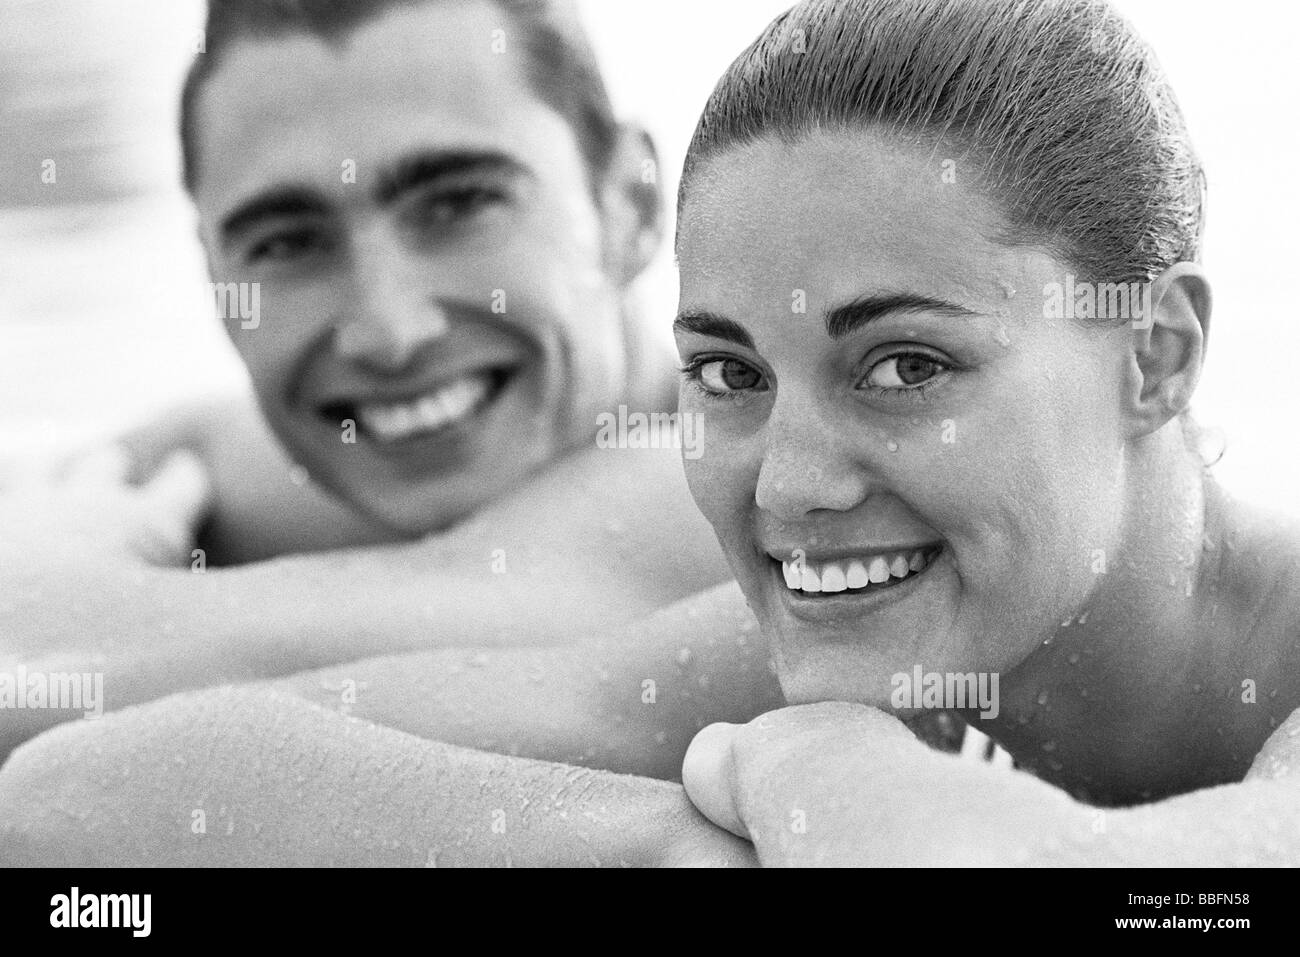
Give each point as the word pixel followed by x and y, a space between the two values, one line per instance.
pixel 277 201
pixel 711 324
pixel 842 321
pixel 420 168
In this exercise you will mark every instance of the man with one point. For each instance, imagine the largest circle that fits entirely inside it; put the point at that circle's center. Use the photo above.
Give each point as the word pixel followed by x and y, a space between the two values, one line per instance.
pixel 428 226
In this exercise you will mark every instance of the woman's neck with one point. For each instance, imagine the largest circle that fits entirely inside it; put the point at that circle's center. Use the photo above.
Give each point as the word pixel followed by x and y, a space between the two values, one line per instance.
pixel 1139 695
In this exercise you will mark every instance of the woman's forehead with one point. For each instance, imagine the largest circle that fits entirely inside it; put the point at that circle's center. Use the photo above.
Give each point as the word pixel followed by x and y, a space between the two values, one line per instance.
pixel 838 199
pixel 841 215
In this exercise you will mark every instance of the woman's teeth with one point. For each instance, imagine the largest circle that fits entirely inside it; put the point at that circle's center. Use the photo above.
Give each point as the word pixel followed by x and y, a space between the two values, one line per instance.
pixel 855 574
pixel 431 412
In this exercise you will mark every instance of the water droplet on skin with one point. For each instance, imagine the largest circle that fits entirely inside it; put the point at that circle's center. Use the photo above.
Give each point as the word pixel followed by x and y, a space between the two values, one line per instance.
pixel 1067 623
pixel 1047 640
pixel 916 420
pixel 1042 698
pixel 1049 746
pixel 1083 619
pixel 891 445
pixel 1273 693
pixel 1002 336
pixel 1008 290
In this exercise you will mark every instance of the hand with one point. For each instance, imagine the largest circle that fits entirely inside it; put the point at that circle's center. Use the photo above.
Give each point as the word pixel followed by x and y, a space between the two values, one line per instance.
pixel 790 780
pixel 704 845
pixel 77 575
pixel 93 513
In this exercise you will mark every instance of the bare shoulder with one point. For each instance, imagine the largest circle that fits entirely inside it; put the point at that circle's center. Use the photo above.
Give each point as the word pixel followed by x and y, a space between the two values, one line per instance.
pixel 1260 554
pixel 627 511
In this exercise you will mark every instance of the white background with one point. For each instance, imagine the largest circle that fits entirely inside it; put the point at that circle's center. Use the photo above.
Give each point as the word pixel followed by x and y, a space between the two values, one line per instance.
pixel 101 310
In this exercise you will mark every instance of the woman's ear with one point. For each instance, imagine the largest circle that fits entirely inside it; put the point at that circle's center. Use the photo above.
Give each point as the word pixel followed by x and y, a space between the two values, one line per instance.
pixel 1169 347
pixel 632 209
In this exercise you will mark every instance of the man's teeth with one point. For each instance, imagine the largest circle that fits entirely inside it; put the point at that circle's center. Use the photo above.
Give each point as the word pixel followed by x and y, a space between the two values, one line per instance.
pixel 393 421
pixel 853 574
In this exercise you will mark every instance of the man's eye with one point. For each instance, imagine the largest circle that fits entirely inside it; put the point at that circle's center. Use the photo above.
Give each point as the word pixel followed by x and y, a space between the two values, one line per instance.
pixel 448 208
pixel 286 246
pixel 906 371
pixel 728 375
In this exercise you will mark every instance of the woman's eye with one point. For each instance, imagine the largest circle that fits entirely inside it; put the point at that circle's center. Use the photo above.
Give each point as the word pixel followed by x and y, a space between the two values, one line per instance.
pixel 728 375
pixel 905 371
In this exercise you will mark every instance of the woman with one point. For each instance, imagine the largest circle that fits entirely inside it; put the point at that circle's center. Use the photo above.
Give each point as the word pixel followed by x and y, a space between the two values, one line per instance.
pixel 943 440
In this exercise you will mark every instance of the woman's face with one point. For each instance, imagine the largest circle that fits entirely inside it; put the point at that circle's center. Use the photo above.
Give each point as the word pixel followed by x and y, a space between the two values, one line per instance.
pixel 906 463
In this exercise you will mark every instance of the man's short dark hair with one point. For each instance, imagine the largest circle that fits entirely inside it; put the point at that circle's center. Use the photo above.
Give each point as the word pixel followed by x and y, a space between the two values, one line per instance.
pixel 561 64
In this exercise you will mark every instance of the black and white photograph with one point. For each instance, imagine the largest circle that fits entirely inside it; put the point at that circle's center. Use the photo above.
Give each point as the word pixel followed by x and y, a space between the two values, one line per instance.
pixel 690 434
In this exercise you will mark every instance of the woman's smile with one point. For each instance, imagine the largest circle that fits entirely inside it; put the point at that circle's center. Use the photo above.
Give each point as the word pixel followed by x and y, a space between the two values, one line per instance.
pixel 854 583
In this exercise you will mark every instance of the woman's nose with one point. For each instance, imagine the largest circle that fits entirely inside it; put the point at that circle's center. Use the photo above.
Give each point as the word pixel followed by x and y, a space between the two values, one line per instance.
pixel 806 468
pixel 392 315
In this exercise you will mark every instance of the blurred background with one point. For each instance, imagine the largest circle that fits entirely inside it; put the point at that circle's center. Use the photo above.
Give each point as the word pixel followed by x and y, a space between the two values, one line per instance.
pixel 104 317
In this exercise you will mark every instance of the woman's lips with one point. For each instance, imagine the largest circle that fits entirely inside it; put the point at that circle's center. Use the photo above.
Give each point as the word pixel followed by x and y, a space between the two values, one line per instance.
pixel 846 595
pixel 857 573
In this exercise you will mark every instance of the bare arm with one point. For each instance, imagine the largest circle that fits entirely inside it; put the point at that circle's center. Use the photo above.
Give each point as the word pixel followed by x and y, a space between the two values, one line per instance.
pixel 602 540
pixel 240 777
pixel 630 702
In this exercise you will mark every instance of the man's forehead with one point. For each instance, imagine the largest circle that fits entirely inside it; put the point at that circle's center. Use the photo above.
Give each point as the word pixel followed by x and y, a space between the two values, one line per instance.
pixel 421 77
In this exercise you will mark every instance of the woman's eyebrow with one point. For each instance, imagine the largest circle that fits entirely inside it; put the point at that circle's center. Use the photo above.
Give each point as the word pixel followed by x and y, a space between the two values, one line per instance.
pixel 711 324
pixel 842 321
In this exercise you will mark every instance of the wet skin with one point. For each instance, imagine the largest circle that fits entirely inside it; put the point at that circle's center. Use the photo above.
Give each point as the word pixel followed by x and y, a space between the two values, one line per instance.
pixel 416 218
pixel 923 401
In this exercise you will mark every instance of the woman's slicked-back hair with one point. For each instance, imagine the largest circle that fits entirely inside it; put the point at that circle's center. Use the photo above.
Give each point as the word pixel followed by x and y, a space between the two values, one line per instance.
pixel 562 66
pixel 1055 107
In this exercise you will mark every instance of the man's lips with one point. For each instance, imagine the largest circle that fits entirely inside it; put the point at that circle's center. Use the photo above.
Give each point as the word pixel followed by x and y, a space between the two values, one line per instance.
pixel 395 414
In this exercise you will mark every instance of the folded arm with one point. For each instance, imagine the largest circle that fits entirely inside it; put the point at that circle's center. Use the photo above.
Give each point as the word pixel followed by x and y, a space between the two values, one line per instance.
pixel 629 702
pixel 601 540
pixel 247 778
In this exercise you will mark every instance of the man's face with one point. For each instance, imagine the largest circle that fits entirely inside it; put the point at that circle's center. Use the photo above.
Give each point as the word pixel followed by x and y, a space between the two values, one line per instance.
pixel 907 463
pixel 435 321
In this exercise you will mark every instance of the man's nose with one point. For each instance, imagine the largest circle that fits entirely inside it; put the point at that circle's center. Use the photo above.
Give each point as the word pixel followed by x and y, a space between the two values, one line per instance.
pixel 806 467
pixel 391 314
